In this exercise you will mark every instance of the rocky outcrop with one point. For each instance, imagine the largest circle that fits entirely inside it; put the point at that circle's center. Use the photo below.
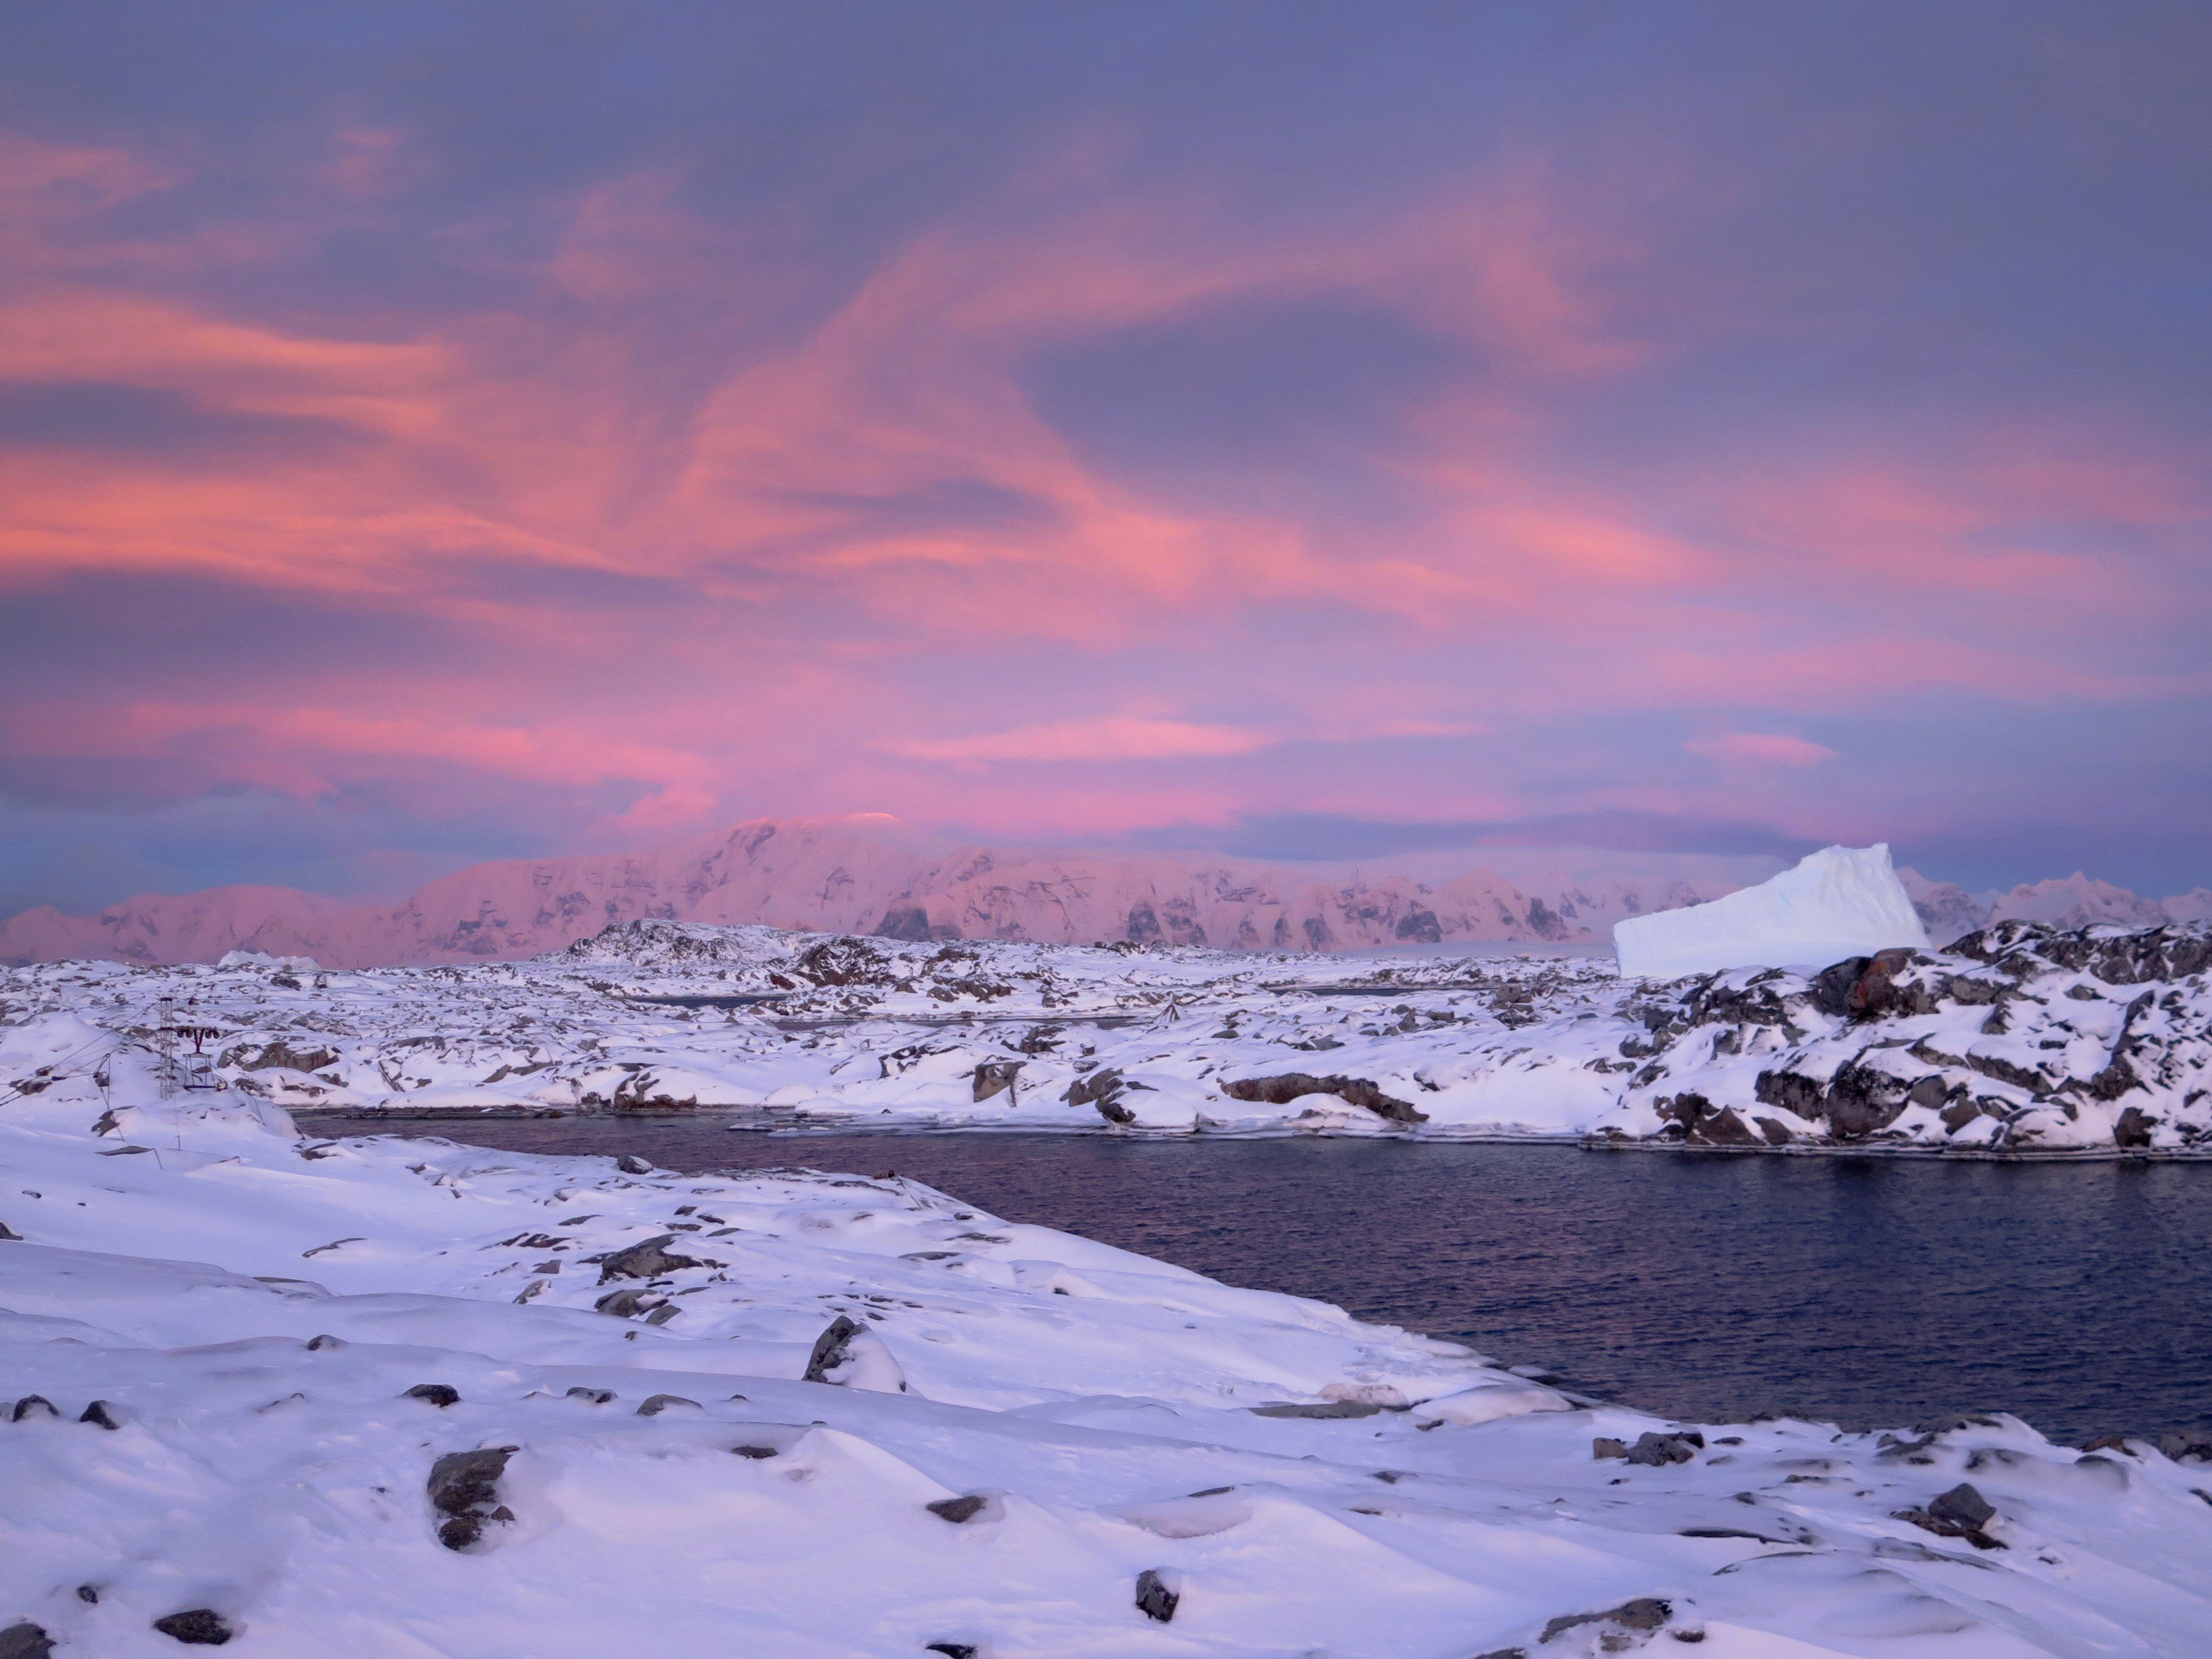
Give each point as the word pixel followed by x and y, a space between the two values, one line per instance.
pixel 651 1259
pixel 2021 1037
pixel 1285 1087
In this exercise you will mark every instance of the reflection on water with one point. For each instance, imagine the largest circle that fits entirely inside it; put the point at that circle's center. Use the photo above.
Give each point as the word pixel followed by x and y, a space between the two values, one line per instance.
pixel 1865 1291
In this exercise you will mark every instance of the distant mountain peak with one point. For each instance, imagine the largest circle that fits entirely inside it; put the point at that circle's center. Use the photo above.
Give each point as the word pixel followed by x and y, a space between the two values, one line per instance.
pixel 870 872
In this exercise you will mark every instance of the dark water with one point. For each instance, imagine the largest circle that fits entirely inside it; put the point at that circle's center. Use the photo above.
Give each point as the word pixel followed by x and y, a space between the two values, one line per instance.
pixel 1864 1291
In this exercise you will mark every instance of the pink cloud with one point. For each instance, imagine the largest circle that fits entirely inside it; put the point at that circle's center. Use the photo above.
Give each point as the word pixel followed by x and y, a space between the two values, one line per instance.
pixel 818 644
pixel 1102 738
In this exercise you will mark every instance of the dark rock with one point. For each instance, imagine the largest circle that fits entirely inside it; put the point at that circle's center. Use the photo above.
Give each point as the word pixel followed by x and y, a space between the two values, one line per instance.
pixel 1607 1446
pixel 197 1628
pixel 844 962
pixel 101 1414
pixel 1643 1613
pixel 1702 1124
pixel 322 1344
pixel 906 921
pixel 2117 1442
pixel 439 1394
pixel 88 1592
pixel 2132 1127
pixel 1861 1100
pixel 1281 1090
pixel 627 1303
pixel 591 1396
pixel 1802 1096
pixel 1961 1512
pixel 651 1259
pixel 756 1452
pixel 830 1348
pixel 661 1402
pixel 26 1640
pixel 1325 1408
pixel 952 1650
pixel 1103 1089
pixel 9 1236
pixel 996 1076
pixel 30 1405
pixel 1963 1506
pixel 464 1486
pixel 1154 1599
pixel 1658 1450
pixel 249 1058
pixel 1420 926
pixel 957 1510
pixel 631 1164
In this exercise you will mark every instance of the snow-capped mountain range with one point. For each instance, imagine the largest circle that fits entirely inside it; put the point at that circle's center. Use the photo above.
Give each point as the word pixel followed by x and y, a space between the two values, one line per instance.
pixel 869 874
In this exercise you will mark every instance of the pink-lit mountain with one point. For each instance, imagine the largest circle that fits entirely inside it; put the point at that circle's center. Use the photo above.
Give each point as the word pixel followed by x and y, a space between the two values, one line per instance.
pixel 870 874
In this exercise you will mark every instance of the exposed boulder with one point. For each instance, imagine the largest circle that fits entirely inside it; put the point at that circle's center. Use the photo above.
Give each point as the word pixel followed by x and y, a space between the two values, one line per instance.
pixel 851 1356
pixel 1644 1613
pixel 1103 1089
pixel 1961 1512
pixel 197 1628
pixel 651 1259
pixel 1287 1087
pixel 1658 1450
pixel 25 1640
pixel 996 1076
pixel 1158 1595
pixel 463 1487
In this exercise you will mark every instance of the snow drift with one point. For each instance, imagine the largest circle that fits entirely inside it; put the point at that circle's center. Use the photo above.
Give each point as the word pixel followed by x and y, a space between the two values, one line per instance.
pixel 1837 903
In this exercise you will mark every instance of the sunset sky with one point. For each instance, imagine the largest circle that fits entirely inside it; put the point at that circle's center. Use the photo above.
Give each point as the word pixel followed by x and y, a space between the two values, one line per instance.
pixel 430 433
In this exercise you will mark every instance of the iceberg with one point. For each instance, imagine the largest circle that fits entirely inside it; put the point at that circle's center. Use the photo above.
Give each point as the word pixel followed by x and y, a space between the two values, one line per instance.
pixel 1840 901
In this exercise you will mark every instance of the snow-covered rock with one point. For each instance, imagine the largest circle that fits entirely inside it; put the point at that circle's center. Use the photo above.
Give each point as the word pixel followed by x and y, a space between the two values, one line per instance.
pixel 1836 902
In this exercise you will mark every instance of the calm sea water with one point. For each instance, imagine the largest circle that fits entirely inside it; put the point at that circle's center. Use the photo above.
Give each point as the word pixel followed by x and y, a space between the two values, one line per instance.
pixel 1866 1291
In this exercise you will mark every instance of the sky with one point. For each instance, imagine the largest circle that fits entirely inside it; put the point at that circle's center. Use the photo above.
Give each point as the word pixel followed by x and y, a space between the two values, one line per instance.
pixel 439 432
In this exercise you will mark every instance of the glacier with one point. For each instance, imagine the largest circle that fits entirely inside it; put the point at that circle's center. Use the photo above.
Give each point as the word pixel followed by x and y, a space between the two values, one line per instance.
pixel 1840 901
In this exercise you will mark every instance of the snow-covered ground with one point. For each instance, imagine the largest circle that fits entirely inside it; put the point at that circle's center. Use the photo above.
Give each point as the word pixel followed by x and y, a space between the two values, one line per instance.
pixel 394 1400
pixel 2022 1040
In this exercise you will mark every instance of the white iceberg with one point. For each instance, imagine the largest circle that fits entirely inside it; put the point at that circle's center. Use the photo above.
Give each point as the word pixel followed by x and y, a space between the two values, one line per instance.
pixel 1840 901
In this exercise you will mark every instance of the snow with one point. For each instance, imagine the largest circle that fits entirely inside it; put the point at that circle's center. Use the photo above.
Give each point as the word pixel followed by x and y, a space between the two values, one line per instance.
pixel 2020 1041
pixel 260 1311
pixel 1840 902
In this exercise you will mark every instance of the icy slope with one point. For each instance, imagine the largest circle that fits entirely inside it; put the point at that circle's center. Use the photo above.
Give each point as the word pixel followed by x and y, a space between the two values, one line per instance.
pixel 1836 902
pixel 398 1399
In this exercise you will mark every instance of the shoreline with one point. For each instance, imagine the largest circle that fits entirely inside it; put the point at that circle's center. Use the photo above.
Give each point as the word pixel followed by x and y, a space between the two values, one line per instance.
pixel 1586 1143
